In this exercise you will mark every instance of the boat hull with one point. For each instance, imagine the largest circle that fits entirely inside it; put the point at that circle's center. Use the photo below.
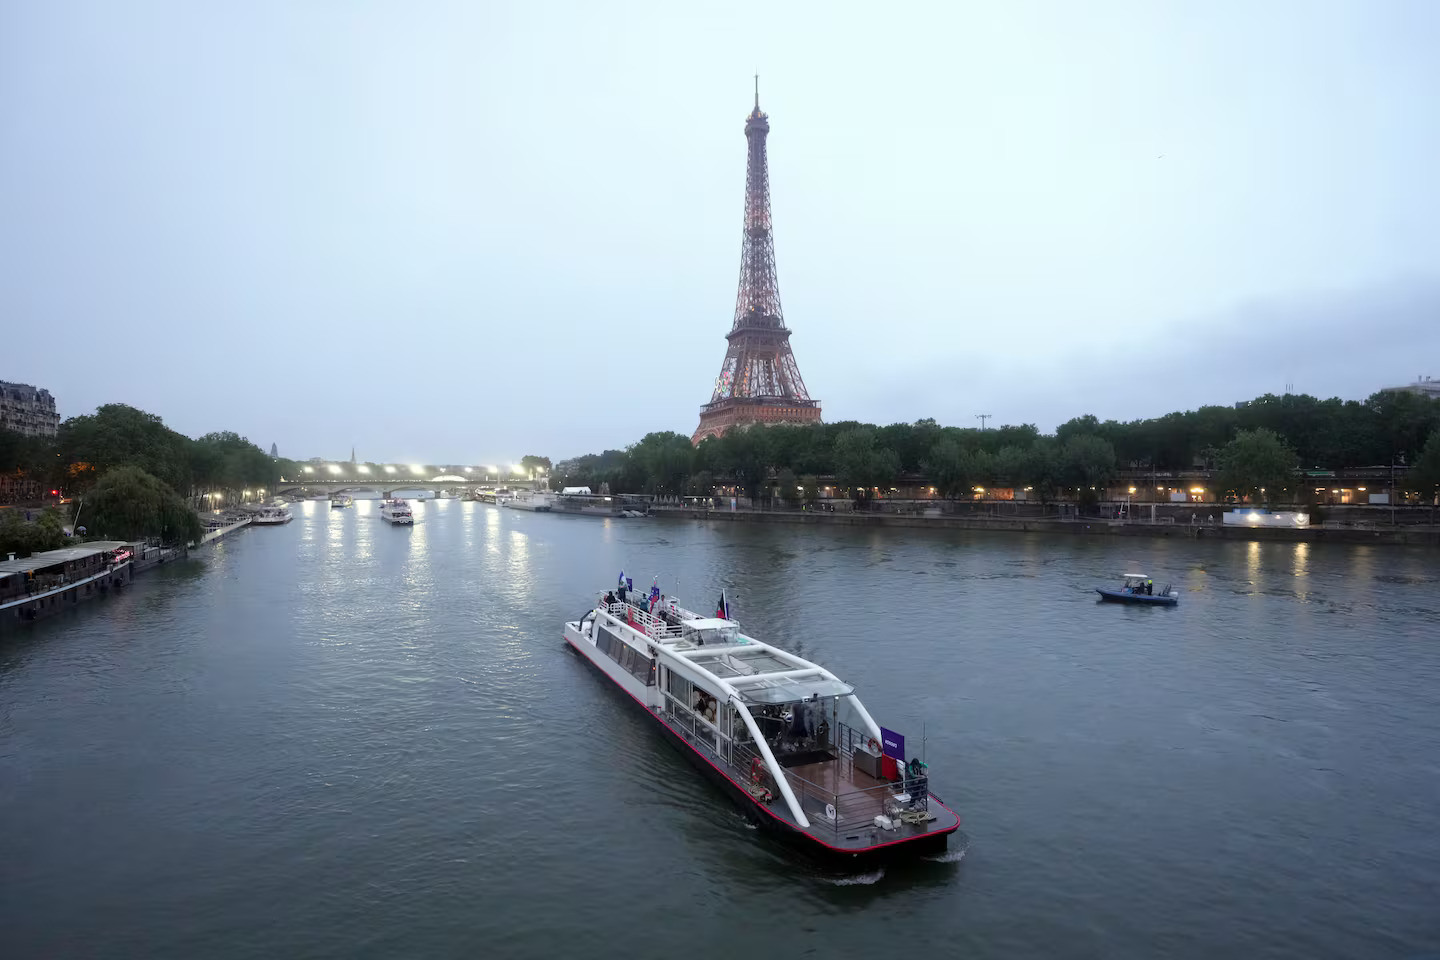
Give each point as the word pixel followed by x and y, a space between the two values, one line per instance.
pixel 906 849
pixel 1138 599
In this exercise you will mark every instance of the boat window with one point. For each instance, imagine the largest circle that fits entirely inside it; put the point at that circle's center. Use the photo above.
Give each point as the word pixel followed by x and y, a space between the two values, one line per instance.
pixel 635 663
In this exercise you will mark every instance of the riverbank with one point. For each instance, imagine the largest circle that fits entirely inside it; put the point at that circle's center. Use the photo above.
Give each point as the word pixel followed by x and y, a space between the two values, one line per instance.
pixel 1074 526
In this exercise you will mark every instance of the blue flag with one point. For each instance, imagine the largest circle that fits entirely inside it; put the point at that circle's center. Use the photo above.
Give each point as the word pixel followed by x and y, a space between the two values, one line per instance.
pixel 622 579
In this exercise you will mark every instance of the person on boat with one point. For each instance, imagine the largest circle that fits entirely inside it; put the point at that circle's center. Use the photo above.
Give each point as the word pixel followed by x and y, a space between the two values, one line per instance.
pixel 609 597
pixel 1149 587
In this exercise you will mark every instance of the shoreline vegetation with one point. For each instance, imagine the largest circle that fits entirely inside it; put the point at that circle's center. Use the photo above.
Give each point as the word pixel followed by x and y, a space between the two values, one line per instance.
pixel 1258 452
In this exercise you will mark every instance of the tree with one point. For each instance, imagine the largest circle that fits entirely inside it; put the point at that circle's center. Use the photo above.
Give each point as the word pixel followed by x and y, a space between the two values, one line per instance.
pixel 118 435
pixel 1256 464
pixel 21 537
pixel 532 464
pixel 810 488
pixel 862 465
pixel 956 470
pixel 130 504
pixel 664 461
pixel 1424 477
pixel 789 486
pixel 1087 462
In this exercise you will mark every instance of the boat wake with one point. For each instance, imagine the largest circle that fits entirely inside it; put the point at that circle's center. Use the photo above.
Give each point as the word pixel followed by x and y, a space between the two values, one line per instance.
pixel 954 854
pixel 865 879
pixel 949 856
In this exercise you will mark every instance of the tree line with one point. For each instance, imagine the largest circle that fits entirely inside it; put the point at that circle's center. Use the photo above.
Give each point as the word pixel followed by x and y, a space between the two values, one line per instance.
pixel 134 476
pixel 1255 449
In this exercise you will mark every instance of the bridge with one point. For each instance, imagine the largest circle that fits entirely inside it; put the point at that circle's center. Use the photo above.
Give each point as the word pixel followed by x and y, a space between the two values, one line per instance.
pixel 318 477
pixel 387 486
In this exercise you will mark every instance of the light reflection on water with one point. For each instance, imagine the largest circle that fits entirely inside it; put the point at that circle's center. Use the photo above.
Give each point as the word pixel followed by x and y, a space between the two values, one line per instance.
pixel 340 736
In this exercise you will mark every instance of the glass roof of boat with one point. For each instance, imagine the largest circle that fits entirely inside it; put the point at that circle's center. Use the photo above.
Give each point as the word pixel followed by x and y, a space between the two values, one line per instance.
pixel 793 690
pixel 746 664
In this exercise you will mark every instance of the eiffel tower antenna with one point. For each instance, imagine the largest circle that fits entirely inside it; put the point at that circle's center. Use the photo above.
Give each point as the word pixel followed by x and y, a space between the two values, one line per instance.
pixel 759 381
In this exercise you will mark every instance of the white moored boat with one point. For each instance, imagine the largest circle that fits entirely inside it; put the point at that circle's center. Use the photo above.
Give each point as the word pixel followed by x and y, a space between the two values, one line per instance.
pixel 271 516
pixel 396 511
pixel 341 500
pixel 786 738
pixel 532 500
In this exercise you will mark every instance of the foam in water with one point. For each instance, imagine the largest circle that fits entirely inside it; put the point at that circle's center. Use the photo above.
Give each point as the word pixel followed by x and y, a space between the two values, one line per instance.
pixel 862 878
pixel 949 856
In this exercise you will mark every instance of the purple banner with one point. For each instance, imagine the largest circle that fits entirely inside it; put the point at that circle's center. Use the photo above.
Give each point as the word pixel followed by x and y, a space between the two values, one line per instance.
pixel 892 744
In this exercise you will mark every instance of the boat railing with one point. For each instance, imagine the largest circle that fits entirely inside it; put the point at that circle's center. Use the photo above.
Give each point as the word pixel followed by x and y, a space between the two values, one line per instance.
pixel 647 622
pixel 853 808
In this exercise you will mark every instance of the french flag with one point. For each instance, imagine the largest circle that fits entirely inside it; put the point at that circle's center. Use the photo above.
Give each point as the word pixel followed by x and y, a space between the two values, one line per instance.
pixel 722 610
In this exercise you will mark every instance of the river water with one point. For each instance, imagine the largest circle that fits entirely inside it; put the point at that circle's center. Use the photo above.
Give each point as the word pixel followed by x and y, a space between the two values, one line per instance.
pixel 343 739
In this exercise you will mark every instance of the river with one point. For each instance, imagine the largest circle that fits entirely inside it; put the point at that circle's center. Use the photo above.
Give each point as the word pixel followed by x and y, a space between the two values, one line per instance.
pixel 343 739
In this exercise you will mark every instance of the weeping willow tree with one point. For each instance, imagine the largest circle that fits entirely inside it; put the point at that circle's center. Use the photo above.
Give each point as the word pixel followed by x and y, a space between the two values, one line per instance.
pixel 130 504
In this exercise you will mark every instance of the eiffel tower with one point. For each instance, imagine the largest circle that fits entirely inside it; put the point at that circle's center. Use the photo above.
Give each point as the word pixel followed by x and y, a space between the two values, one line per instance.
pixel 759 381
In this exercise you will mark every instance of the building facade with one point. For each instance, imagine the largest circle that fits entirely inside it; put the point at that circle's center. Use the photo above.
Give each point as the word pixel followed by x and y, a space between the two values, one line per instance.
pixel 27 410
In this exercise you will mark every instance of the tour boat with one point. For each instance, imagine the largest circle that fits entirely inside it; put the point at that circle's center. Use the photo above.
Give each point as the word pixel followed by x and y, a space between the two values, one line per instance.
pixel 271 516
pixel 1135 591
pixel 396 511
pixel 786 738
pixel 528 500
pixel 341 500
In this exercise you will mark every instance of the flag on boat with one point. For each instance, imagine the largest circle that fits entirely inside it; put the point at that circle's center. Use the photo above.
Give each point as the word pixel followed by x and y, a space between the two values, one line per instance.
pixel 722 610
pixel 622 579
pixel 654 594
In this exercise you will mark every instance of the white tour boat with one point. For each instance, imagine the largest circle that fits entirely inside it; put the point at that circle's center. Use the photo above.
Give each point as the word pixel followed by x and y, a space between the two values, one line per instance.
pixel 341 500
pixel 271 516
pixel 786 738
pixel 396 511
pixel 532 500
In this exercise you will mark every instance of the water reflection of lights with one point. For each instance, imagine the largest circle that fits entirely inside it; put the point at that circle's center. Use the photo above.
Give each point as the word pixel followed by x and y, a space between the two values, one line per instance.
pixel 1252 561
pixel 1302 559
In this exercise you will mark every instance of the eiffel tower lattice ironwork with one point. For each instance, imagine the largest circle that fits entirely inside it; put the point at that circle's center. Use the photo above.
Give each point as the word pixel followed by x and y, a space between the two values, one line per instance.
pixel 759 381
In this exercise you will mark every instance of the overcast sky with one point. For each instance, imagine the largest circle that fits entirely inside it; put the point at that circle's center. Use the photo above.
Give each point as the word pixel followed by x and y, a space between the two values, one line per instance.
pixel 463 232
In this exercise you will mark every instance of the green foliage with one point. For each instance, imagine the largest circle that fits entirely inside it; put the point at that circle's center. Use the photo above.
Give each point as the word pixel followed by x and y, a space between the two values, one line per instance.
pixel 862 464
pixel 955 469
pixel 227 461
pixel 117 435
pixel 22 537
pixel 664 459
pixel 1256 461
pixel 1086 461
pixel 1424 476
pixel 788 486
pixel 533 464
pixel 130 504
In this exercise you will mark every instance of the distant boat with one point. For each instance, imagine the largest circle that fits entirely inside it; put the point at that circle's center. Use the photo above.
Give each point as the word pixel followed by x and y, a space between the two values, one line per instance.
pixel 271 516
pixel 341 500
pixel 397 512
pixel 1134 591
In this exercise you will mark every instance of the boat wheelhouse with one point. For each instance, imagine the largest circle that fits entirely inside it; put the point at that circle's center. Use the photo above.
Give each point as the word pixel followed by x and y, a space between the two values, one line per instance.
pixel 396 512
pixel 785 737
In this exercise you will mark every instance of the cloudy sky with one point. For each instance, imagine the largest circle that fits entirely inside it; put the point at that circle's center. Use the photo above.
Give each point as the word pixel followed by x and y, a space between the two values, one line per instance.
pixel 465 231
